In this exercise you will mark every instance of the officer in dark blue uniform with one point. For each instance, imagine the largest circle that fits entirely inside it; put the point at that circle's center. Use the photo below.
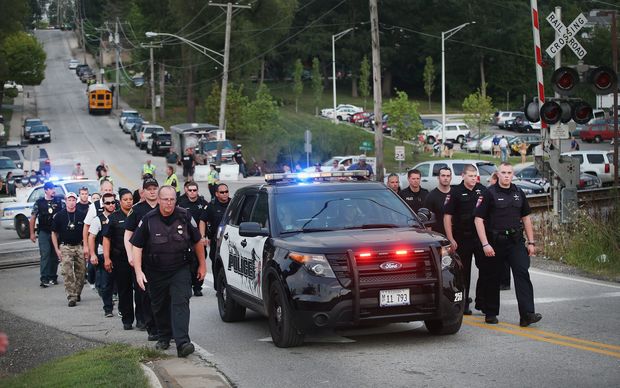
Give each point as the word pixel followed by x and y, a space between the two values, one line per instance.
pixel 502 214
pixel 161 249
pixel 211 218
pixel 414 194
pixel 460 230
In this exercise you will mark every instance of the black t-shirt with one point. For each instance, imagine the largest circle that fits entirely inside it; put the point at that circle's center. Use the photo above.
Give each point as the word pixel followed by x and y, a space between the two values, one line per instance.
pixel 115 231
pixel 187 161
pixel 501 208
pixel 238 156
pixel 136 213
pixel 414 200
pixel 213 216
pixel 83 207
pixel 195 208
pixel 436 201
pixel 69 226
pixel 461 206
pixel 45 210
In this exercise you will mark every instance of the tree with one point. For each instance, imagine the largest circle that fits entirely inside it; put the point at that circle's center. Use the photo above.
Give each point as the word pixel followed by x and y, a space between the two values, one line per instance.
pixel 236 104
pixel 317 84
pixel 479 110
pixel 404 118
pixel 429 79
pixel 22 60
pixel 298 84
pixel 364 81
pixel 261 119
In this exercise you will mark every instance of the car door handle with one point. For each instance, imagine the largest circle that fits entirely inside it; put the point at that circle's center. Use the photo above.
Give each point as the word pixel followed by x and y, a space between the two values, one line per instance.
pixel 226 236
pixel 244 243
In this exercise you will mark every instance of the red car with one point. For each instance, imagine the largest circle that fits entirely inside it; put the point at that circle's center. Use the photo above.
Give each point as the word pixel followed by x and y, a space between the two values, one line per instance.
pixel 600 130
pixel 359 118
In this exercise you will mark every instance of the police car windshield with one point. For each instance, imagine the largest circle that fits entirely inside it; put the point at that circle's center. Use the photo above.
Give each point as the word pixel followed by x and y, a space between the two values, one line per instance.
pixel 340 210
pixel 74 187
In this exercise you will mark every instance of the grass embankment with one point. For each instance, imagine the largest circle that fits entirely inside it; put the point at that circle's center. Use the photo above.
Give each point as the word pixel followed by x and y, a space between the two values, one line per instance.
pixel 6 114
pixel 115 365
pixel 590 243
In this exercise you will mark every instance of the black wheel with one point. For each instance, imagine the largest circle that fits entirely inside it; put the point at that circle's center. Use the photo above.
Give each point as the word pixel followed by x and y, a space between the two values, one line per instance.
pixel 283 333
pixel 22 226
pixel 438 327
pixel 430 139
pixel 597 139
pixel 230 311
pixel 148 151
pixel 460 139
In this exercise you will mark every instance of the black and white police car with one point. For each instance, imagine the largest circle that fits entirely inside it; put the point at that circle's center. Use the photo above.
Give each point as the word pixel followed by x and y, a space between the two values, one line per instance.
pixel 321 250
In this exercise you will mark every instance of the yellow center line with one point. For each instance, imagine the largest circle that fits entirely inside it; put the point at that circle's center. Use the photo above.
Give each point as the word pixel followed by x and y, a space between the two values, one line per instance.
pixel 118 173
pixel 533 334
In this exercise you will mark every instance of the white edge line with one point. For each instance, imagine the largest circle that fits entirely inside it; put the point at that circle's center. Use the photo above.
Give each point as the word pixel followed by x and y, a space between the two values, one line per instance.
pixel 201 352
pixel 151 376
pixel 579 280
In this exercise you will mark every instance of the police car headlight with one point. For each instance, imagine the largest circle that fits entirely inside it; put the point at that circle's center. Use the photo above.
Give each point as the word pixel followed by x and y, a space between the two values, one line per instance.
pixel 446 256
pixel 316 264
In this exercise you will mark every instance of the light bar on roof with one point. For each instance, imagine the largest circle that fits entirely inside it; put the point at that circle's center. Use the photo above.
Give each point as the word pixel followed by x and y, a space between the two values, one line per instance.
pixel 302 176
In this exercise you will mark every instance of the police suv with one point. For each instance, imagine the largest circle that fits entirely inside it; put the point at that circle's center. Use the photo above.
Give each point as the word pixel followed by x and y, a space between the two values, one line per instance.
pixel 315 250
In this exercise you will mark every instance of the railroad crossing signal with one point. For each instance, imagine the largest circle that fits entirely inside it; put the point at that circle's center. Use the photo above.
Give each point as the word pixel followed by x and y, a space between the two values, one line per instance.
pixel 566 35
pixel 366 146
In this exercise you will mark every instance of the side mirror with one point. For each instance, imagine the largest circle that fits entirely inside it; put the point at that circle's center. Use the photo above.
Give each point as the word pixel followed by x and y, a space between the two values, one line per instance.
pixel 426 216
pixel 252 229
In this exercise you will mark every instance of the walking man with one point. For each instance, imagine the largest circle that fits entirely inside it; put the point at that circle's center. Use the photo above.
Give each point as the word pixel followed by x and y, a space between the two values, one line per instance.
pixel 211 218
pixel 502 215
pixel 95 247
pixel 238 158
pixel 438 197
pixel 414 195
pixel 44 210
pixel 70 248
pixel 160 253
pixel 172 180
pixel 189 163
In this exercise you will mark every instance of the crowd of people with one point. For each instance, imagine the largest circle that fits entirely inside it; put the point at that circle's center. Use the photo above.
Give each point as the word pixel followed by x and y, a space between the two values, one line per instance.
pixel 147 254
pixel 486 223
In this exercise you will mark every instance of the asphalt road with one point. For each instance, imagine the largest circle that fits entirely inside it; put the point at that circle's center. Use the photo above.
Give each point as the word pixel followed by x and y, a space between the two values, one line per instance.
pixel 576 344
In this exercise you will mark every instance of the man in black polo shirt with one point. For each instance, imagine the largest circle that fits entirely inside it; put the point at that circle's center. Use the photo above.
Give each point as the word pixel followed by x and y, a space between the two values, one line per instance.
pixel 195 203
pixel 69 245
pixel 438 197
pixel 414 195
pixel 83 203
pixel 144 312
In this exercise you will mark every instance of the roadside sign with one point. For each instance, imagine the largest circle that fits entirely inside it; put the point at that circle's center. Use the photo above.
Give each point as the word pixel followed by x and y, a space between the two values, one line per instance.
pixel 559 131
pixel 566 35
pixel 307 148
pixel 366 146
pixel 399 153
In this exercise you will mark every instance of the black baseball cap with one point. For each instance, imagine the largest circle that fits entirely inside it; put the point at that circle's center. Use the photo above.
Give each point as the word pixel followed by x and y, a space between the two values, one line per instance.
pixel 148 182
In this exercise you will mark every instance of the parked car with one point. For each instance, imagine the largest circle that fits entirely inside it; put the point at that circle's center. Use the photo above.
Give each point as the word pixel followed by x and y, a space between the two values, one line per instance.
pixel 87 75
pixel 523 125
pixel 528 188
pixel 73 63
pixel 343 111
pixel 530 173
pixel 159 143
pixel 531 141
pixel 128 126
pixel 13 85
pixel 430 123
pixel 471 145
pixel 80 68
pixel 596 162
pixel 40 159
pixel 29 123
pixel 359 117
pixel 430 171
pixel 456 132
pixel 145 132
pixel 40 134
pixel 597 131
pixel 124 114
pixel 8 165
pixel 500 117
pixel 15 154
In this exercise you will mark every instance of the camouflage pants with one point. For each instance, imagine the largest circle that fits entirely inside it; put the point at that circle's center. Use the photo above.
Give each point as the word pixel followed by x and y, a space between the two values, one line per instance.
pixel 73 269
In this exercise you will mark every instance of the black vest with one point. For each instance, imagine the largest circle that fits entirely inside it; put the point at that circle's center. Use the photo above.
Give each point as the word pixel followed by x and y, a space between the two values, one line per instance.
pixel 507 204
pixel 117 235
pixel 168 246
pixel 46 212
pixel 467 205
pixel 99 238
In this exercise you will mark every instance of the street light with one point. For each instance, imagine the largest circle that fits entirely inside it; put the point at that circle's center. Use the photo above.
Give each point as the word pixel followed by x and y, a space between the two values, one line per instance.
pixel 334 39
pixel 446 35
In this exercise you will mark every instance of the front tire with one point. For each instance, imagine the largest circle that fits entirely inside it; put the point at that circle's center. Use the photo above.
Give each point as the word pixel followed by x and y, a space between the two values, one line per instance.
pixel 283 333
pixel 230 310
pixel 22 227
pixel 439 327
pixel 597 139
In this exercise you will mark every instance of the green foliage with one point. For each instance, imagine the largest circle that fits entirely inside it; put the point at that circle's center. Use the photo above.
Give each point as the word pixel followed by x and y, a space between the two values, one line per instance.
pixel 478 109
pixel 236 102
pixel 403 115
pixel 24 59
pixel 364 81
pixel 429 79
pixel 298 85
pixel 317 84
pixel 119 364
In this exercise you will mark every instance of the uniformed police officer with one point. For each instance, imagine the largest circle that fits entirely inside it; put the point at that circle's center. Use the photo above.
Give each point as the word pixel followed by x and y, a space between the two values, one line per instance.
pixel 115 259
pixel 67 240
pixel 414 195
pixel 211 218
pixel 501 217
pixel 436 200
pixel 461 232
pixel 104 282
pixel 144 313
pixel 195 203
pixel 44 209
pixel 161 244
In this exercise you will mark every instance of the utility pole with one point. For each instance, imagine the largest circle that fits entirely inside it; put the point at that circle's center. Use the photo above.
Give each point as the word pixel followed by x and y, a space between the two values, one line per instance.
pixel 614 53
pixel 162 85
pixel 152 81
pixel 376 80
pixel 222 121
pixel 117 47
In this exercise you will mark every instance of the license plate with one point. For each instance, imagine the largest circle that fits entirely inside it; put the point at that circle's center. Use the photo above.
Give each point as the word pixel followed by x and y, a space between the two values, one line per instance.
pixel 167 143
pixel 389 298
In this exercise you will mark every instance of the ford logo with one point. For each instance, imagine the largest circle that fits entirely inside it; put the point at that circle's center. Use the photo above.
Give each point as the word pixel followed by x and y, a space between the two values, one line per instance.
pixel 390 266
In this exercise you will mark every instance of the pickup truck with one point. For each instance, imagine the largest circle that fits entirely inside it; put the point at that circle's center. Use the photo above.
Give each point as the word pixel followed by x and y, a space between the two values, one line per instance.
pixel 15 211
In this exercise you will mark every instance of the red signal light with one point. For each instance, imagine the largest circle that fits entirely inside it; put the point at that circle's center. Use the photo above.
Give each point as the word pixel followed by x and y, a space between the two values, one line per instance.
pixel 603 80
pixel 551 112
pixel 564 80
pixel 582 112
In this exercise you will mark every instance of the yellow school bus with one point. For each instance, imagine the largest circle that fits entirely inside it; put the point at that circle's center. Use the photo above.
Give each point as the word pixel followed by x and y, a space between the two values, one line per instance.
pixel 99 99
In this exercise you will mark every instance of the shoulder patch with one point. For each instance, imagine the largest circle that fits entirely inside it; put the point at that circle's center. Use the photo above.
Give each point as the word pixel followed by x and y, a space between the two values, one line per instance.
pixel 140 223
pixel 480 198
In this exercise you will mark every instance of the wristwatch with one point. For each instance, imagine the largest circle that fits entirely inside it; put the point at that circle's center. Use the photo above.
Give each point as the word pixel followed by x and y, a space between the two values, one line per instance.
pixel 531 243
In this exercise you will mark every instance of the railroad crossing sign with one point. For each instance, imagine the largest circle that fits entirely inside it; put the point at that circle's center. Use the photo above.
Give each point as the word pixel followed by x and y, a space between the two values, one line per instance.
pixel 566 35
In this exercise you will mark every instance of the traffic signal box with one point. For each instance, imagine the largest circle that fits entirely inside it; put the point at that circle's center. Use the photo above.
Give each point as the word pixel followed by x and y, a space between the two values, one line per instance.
pixel 566 81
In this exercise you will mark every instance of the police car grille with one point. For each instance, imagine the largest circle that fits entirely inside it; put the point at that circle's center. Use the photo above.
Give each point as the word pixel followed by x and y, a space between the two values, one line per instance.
pixel 416 268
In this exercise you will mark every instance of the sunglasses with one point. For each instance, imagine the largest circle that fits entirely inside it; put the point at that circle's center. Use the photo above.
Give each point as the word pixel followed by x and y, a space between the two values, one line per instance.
pixel 223 192
pixel 192 189
pixel 109 203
